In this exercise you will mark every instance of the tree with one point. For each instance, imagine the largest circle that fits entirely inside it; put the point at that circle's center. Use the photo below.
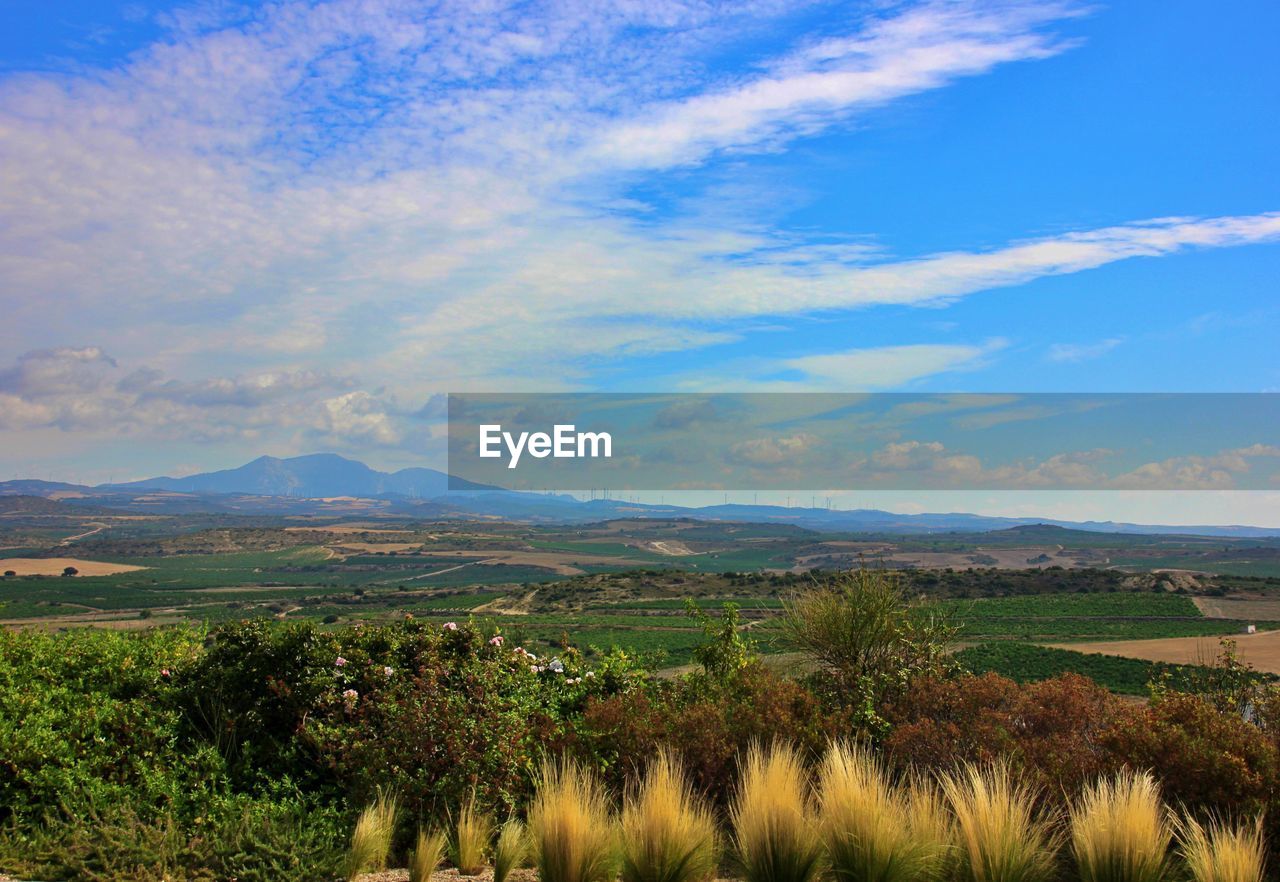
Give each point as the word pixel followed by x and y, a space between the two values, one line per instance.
pixel 724 651
pixel 9 574
pixel 70 571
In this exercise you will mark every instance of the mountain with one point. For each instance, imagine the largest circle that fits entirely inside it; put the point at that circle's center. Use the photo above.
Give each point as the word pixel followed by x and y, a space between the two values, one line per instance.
pixel 317 484
pixel 317 476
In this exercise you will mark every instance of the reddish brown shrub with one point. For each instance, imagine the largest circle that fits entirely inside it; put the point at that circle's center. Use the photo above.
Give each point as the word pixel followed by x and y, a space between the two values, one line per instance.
pixel 1058 729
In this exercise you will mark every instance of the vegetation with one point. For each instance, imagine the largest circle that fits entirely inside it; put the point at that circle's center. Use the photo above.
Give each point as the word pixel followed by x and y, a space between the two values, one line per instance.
pixel 998 836
pixel 426 855
pixel 773 823
pixel 873 832
pixel 1120 830
pixel 511 850
pixel 1222 852
pixel 472 833
pixel 371 839
pixel 668 833
pixel 571 827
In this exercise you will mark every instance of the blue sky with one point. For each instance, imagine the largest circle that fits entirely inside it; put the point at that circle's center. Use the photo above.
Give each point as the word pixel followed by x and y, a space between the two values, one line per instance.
pixel 234 229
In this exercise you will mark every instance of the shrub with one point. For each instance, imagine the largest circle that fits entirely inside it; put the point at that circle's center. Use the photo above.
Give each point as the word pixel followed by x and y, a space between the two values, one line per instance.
pixel 1120 830
pixel 872 832
pixel 371 839
pixel 773 824
pixel 1059 731
pixel 426 856
pixel 998 837
pixel 471 835
pixel 1220 852
pixel 511 849
pixel 570 825
pixel 867 638
pixel 668 833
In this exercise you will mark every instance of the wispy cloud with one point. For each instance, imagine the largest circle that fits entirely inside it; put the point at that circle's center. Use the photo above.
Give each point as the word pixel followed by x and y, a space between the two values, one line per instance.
pixel 1069 352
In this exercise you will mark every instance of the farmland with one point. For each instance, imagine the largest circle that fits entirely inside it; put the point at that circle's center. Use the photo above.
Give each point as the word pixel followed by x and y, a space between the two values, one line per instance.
pixel 616 583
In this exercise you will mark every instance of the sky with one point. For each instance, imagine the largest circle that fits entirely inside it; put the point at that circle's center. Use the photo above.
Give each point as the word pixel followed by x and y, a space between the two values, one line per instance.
pixel 233 229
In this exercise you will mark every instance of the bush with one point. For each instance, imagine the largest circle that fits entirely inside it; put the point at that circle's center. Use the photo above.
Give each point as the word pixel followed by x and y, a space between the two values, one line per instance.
pixel 570 826
pixel 773 823
pixel 998 837
pixel 1219 852
pixel 873 832
pixel 1120 830
pixel 668 833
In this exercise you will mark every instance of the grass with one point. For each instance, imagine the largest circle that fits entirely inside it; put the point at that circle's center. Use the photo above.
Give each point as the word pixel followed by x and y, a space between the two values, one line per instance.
pixel 668 833
pixel 774 828
pixel 570 826
pixel 471 836
pixel 1221 852
pixel 873 832
pixel 1120 830
pixel 426 856
pixel 371 839
pixel 511 849
pixel 998 836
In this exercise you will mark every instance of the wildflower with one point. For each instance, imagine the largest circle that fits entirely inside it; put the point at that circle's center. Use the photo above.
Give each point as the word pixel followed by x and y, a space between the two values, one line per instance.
pixel 451 626
pixel 495 640
pixel 349 698
pixel 340 661
pixel 164 672
pixel 387 672
pixel 557 666
pixel 589 674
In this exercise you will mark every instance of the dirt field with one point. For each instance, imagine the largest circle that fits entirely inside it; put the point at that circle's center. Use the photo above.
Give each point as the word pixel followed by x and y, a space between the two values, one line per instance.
pixel 1265 610
pixel 1262 650
pixel 53 566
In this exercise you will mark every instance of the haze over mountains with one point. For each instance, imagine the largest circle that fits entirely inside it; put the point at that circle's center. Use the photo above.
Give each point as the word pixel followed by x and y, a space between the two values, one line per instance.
pixel 329 484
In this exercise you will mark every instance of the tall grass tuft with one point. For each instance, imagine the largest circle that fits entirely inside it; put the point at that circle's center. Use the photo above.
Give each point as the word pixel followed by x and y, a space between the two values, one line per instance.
pixel 1221 852
pixel 472 833
pixel 371 839
pixel 998 836
pixel 872 832
pixel 571 829
pixel 1120 830
pixel 427 854
pixel 668 833
pixel 773 824
pixel 511 850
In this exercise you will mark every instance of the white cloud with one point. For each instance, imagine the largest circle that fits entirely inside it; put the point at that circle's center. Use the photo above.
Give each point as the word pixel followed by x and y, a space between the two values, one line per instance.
pixel 887 366
pixel 1071 352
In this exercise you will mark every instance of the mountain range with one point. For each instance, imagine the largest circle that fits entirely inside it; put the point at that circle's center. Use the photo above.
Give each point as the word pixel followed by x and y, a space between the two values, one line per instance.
pixel 325 483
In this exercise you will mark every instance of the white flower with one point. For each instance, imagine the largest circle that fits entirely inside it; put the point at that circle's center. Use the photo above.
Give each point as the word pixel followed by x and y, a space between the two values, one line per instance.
pixel 387 672
pixel 451 626
pixel 557 666
pixel 589 674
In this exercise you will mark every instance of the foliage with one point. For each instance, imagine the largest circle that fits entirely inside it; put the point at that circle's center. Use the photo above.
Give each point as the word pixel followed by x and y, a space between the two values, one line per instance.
pixel 471 835
pixel 872 831
pixel 371 839
pixel 724 650
pixel 427 853
pixel 998 836
pixel 1222 852
pixel 772 818
pixel 867 638
pixel 668 833
pixel 511 850
pixel 1120 830
pixel 570 826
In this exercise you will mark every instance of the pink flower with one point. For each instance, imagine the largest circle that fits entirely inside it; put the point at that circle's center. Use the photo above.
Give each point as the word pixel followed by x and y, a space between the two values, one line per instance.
pixel 496 640
pixel 349 698
pixel 164 672
pixel 451 626
pixel 340 661
pixel 387 672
